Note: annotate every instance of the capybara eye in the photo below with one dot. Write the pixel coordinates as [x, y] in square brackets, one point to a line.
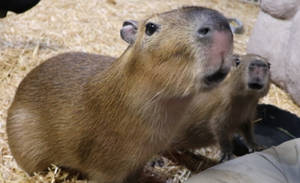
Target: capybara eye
[150, 28]
[203, 31]
[269, 65]
[237, 61]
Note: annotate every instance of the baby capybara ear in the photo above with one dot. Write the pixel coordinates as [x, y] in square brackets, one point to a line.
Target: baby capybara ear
[129, 30]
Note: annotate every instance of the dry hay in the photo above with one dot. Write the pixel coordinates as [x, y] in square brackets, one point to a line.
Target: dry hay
[56, 26]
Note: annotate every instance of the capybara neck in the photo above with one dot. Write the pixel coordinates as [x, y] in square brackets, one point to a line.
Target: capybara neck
[149, 104]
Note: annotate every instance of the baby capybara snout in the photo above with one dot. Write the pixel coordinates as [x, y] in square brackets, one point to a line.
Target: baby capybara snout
[258, 74]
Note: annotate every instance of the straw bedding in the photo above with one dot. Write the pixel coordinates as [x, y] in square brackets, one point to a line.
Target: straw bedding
[56, 26]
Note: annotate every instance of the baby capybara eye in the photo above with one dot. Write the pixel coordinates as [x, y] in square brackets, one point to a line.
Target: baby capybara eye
[237, 61]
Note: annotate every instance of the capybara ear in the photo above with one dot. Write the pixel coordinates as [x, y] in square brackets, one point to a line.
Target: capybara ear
[129, 30]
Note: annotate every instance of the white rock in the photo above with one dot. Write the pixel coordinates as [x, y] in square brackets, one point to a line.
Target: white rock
[279, 40]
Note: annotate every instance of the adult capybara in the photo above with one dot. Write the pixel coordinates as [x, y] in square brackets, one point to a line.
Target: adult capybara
[106, 117]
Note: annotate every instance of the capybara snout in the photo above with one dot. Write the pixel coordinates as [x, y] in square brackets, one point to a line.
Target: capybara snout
[258, 73]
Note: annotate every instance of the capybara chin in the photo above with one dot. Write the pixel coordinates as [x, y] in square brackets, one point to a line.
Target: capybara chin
[106, 117]
[230, 108]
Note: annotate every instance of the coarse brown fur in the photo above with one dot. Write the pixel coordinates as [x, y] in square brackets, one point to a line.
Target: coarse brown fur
[106, 117]
[230, 108]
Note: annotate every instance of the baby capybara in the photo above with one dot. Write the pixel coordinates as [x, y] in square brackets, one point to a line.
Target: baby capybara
[230, 108]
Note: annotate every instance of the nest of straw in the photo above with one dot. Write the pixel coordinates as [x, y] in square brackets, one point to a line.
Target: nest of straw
[56, 26]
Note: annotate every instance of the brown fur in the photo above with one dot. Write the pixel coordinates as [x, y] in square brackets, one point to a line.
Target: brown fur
[230, 108]
[106, 118]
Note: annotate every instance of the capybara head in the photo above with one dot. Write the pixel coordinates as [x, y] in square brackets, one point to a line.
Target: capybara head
[254, 72]
[188, 48]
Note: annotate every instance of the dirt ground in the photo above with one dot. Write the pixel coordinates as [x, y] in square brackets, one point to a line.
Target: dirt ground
[56, 26]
